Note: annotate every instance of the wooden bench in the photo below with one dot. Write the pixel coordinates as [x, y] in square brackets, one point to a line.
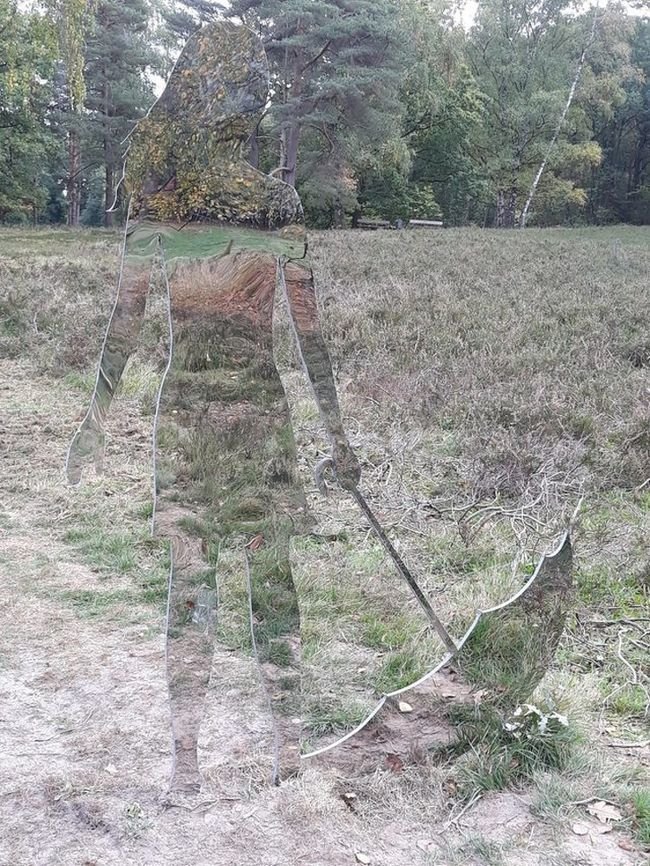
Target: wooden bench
[426, 224]
[372, 225]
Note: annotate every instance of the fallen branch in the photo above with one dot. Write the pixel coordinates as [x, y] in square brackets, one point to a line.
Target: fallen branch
[453, 821]
[590, 800]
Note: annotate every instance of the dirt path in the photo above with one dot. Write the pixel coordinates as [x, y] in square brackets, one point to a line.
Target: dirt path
[84, 751]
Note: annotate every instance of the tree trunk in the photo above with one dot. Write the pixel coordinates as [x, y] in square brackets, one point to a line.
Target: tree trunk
[638, 161]
[509, 218]
[72, 184]
[560, 123]
[290, 135]
[499, 220]
[109, 186]
[110, 195]
[339, 214]
[465, 217]
[289, 151]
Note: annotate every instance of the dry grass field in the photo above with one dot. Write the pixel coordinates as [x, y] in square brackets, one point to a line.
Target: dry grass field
[489, 381]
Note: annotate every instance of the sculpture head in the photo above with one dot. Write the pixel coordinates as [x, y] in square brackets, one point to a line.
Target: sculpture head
[219, 84]
[185, 159]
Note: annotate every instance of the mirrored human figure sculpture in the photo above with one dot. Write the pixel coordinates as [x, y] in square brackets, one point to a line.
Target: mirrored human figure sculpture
[226, 237]
[486, 677]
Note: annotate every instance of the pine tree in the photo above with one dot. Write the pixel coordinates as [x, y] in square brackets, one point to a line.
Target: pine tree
[335, 69]
[182, 17]
[118, 56]
[71, 19]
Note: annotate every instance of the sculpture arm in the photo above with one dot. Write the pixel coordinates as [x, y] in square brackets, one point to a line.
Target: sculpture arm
[119, 343]
[298, 283]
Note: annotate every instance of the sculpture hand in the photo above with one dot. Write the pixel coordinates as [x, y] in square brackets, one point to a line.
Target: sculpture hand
[87, 445]
[346, 465]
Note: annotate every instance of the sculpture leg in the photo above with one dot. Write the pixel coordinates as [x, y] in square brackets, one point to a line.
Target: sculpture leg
[275, 622]
[191, 620]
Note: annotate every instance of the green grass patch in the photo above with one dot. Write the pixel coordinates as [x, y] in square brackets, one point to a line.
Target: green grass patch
[278, 652]
[335, 720]
[489, 853]
[150, 589]
[552, 793]
[154, 585]
[498, 752]
[503, 657]
[450, 555]
[136, 555]
[332, 603]
[104, 551]
[90, 603]
[144, 511]
[84, 382]
[391, 633]
[400, 670]
[630, 702]
[602, 588]
[641, 817]
[364, 561]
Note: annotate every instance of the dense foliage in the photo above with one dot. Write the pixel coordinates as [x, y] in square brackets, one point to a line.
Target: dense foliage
[389, 109]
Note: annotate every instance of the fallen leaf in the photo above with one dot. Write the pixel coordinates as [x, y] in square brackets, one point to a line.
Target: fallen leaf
[112, 769]
[580, 829]
[404, 707]
[394, 763]
[604, 812]
[256, 543]
[625, 844]
[363, 858]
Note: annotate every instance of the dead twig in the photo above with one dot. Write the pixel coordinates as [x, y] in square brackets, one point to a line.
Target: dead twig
[454, 821]
[607, 623]
[619, 653]
[589, 800]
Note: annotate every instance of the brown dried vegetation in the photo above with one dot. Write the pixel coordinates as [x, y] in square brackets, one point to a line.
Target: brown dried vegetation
[488, 381]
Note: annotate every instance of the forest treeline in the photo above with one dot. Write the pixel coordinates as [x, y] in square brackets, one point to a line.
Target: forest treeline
[391, 109]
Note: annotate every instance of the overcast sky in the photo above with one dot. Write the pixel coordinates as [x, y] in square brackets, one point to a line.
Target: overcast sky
[469, 8]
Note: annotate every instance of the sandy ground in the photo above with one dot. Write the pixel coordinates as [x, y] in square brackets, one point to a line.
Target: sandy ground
[84, 740]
